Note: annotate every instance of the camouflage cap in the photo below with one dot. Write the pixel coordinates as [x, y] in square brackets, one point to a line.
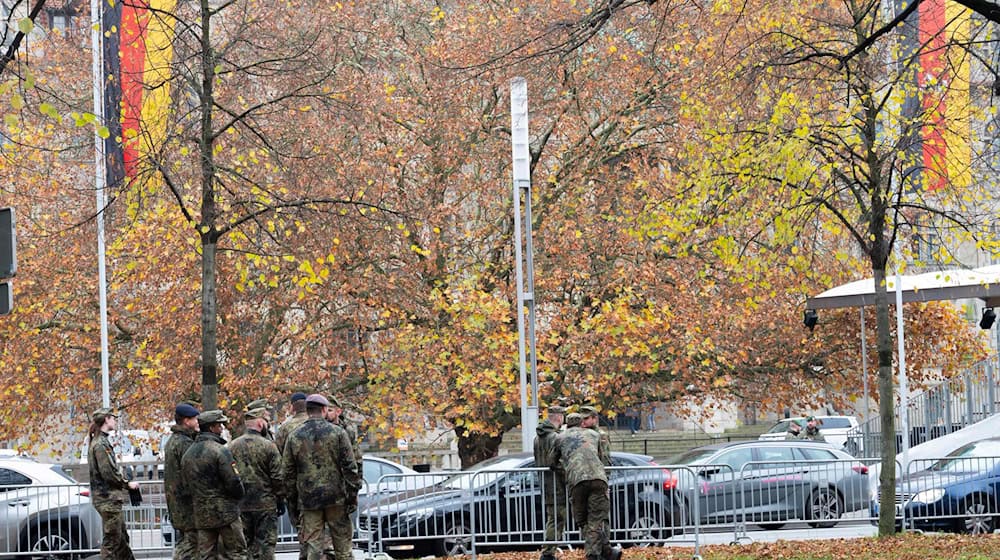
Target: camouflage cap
[259, 403]
[101, 413]
[334, 401]
[212, 417]
[573, 419]
[587, 410]
[256, 413]
[812, 418]
[556, 409]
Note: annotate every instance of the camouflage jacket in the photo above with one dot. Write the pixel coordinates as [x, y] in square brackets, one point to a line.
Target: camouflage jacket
[319, 469]
[260, 469]
[286, 428]
[179, 505]
[212, 480]
[813, 434]
[352, 433]
[106, 481]
[579, 452]
[545, 441]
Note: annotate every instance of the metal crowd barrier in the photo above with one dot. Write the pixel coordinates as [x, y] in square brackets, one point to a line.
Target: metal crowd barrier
[651, 505]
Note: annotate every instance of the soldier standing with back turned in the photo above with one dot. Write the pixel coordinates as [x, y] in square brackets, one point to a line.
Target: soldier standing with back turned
[553, 480]
[582, 455]
[259, 465]
[320, 475]
[180, 506]
[299, 416]
[213, 481]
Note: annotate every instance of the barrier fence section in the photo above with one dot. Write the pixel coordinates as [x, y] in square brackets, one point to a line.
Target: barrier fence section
[957, 493]
[820, 492]
[456, 513]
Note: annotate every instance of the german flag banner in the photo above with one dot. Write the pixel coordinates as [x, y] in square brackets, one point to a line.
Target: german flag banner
[941, 100]
[137, 39]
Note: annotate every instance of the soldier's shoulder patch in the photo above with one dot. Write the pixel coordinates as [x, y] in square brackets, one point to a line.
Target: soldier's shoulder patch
[235, 470]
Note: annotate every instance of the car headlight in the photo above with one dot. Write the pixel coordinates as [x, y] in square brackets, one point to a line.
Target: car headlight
[928, 496]
[418, 514]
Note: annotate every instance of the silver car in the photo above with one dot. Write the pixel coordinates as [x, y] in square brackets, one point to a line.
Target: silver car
[43, 510]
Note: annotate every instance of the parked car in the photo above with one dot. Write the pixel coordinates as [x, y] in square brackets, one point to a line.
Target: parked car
[769, 482]
[43, 510]
[382, 477]
[957, 493]
[137, 452]
[501, 498]
[833, 428]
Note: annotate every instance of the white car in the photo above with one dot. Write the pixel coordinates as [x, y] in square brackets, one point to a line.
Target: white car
[833, 428]
[43, 510]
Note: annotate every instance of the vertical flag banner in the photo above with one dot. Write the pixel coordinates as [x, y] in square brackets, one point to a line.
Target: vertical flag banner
[942, 102]
[137, 50]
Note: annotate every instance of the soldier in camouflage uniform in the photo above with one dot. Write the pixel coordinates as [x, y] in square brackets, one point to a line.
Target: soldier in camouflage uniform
[322, 477]
[553, 481]
[335, 414]
[213, 481]
[179, 505]
[812, 432]
[794, 430]
[108, 488]
[579, 451]
[262, 403]
[259, 465]
[299, 416]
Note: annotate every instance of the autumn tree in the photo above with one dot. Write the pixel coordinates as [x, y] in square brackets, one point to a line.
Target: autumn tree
[829, 143]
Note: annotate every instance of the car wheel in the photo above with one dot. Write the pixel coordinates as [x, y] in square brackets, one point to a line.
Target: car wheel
[824, 508]
[645, 528]
[49, 541]
[770, 526]
[456, 540]
[977, 519]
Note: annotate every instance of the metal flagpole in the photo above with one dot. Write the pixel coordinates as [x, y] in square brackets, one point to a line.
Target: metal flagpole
[525, 277]
[96, 44]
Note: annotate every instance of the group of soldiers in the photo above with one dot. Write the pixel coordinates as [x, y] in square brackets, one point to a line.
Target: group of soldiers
[577, 457]
[224, 499]
[811, 431]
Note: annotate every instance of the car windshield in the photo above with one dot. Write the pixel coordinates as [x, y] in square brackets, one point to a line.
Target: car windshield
[480, 474]
[834, 423]
[780, 427]
[977, 456]
[695, 456]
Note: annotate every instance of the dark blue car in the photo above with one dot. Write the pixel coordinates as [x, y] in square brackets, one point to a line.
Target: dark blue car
[958, 493]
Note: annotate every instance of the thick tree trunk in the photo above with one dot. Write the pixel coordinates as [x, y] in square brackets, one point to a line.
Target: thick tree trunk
[886, 408]
[474, 447]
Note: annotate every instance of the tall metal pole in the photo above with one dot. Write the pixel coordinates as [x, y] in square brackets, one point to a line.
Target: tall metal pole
[96, 45]
[525, 276]
[866, 426]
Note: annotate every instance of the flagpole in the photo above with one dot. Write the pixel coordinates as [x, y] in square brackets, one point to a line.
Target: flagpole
[97, 48]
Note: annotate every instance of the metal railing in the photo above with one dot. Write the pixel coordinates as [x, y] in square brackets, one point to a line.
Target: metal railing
[939, 410]
[650, 505]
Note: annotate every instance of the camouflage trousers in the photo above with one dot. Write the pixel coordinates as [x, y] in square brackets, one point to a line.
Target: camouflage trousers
[185, 544]
[115, 544]
[261, 531]
[314, 524]
[554, 488]
[222, 543]
[592, 514]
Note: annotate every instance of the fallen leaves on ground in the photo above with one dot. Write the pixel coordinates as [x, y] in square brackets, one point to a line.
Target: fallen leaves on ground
[904, 547]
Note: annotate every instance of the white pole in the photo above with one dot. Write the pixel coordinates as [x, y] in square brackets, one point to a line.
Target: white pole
[525, 300]
[96, 45]
[903, 389]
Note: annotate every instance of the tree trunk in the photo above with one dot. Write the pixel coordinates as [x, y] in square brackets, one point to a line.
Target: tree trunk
[209, 322]
[886, 407]
[474, 447]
